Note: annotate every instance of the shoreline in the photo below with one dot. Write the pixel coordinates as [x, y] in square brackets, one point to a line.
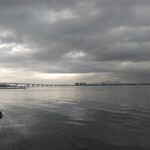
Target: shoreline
[12, 87]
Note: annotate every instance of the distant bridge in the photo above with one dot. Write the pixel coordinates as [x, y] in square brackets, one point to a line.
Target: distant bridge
[20, 85]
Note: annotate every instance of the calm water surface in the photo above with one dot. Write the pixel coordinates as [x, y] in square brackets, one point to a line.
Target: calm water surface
[76, 118]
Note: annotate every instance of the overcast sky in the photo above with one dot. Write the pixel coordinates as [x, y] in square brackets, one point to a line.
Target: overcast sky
[65, 41]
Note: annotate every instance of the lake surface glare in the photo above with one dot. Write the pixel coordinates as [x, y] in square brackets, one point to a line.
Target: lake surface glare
[76, 118]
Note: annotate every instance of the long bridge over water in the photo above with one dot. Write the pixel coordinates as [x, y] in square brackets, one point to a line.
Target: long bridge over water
[20, 85]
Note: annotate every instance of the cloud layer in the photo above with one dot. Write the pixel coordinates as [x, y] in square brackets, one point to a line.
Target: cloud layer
[89, 40]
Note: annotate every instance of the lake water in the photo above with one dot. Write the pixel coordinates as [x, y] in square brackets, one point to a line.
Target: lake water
[76, 118]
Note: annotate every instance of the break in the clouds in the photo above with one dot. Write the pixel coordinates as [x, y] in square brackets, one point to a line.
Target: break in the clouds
[74, 40]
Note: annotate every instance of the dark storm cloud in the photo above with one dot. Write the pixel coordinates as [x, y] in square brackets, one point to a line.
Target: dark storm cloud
[66, 36]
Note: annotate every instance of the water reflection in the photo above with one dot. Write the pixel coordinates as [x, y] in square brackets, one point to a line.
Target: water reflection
[75, 118]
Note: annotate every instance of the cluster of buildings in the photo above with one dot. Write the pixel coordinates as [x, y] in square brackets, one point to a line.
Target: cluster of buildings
[108, 83]
[80, 84]
[10, 86]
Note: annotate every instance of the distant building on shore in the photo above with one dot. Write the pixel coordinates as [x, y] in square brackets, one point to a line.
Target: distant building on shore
[3, 85]
[80, 84]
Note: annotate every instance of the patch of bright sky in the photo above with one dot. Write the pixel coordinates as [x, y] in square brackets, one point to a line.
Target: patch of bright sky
[53, 75]
[14, 47]
[6, 33]
[53, 16]
[7, 75]
[19, 48]
[75, 54]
